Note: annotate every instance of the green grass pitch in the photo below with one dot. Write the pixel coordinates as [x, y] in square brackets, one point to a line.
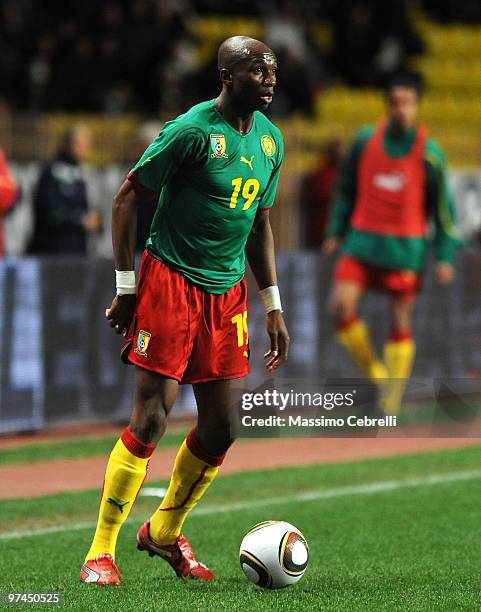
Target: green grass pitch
[385, 535]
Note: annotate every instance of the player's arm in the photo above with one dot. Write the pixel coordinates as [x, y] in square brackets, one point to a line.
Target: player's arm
[440, 202]
[340, 209]
[172, 148]
[124, 231]
[261, 258]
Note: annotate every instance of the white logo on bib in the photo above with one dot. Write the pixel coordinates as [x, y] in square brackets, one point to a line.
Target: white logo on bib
[390, 182]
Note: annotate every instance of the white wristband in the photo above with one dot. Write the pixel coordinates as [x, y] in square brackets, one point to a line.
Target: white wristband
[271, 298]
[125, 281]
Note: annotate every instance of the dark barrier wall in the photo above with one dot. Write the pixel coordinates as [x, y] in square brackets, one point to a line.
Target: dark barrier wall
[60, 359]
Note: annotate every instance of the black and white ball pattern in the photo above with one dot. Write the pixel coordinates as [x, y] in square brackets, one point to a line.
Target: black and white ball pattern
[274, 554]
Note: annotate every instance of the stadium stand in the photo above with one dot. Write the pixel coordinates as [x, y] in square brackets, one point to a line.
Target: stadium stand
[448, 66]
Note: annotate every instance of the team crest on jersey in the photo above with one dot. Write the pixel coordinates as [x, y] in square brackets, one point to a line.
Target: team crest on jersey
[268, 145]
[218, 146]
[143, 340]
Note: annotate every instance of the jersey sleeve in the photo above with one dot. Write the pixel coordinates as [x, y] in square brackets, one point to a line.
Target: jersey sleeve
[173, 148]
[269, 194]
[344, 195]
[440, 202]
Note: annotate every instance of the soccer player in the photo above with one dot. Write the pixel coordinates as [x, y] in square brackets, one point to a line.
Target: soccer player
[216, 168]
[391, 184]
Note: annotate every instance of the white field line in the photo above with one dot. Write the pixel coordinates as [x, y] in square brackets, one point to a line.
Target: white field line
[382, 486]
[152, 492]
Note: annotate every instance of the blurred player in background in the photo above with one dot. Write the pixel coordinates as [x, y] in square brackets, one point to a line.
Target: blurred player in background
[392, 182]
[216, 168]
[62, 219]
[8, 194]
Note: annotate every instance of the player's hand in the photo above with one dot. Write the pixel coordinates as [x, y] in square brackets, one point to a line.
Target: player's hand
[444, 273]
[121, 312]
[330, 246]
[279, 336]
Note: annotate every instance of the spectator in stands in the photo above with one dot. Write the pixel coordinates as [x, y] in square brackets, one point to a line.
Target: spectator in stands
[398, 40]
[355, 42]
[287, 30]
[372, 41]
[317, 192]
[62, 220]
[8, 194]
[295, 87]
[287, 27]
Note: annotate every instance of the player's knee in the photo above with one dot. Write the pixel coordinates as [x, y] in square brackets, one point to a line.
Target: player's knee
[343, 311]
[154, 422]
[148, 425]
[402, 317]
[149, 418]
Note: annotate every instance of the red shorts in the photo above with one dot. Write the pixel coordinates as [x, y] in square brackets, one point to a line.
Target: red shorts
[402, 283]
[185, 333]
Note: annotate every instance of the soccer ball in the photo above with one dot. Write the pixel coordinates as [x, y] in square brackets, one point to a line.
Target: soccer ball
[274, 554]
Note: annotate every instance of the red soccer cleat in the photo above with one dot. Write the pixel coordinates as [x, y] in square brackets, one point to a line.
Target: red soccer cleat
[178, 555]
[101, 570]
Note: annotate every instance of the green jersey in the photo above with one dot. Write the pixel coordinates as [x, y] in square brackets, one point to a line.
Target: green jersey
[211, 180]
[389, 251]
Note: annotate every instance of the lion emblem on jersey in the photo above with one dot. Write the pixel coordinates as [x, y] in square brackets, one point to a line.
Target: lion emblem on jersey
[143, 340]
[218, 146]
[268, 145]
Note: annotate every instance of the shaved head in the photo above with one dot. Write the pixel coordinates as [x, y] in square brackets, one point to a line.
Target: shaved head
[247, 69]
[241, 48]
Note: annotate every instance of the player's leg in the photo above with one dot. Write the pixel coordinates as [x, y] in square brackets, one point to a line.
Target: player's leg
[352, 332]
[219, 355]
[197, 461]
[154, 397]
[345, 301]
[215, 406]
[196, 465]
[399, 352]
[401, 313]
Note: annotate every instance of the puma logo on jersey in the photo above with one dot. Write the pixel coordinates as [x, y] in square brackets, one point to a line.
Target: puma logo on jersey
[390, 182]
[247, 161]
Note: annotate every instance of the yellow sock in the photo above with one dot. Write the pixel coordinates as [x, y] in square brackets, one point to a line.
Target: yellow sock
[399, 358]
[193, 472]
[355, 338]
[126, 471]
